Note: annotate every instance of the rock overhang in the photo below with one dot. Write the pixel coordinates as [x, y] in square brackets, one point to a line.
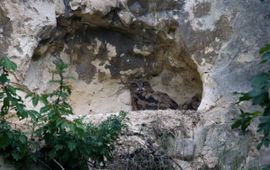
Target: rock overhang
[108, 47]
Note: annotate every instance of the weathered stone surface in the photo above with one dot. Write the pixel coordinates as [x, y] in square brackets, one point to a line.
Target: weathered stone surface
[187, 139]
[184, 47]
[107, 45]
[225, 45]
[170, 132]
[25, 24]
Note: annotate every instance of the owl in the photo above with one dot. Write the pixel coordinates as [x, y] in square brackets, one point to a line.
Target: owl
[143, 97]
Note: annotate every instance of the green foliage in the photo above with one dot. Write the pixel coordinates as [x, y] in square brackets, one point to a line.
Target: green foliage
[100, 138]
[8, 93]
[74, 147]
[7, 65]
[267, 167]
[245, 119]
[258, 95]
[14, 144]
[66, 143]
[72, 143]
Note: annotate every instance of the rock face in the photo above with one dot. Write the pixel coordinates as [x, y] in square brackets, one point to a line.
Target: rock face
[107, 45]
[183, 47]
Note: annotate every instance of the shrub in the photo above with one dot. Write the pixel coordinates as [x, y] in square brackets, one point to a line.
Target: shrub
[63, 143]
[14, 145]
[258, 95]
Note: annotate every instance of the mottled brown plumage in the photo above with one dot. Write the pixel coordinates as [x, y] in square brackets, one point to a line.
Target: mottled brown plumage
[143, 97]
[193, 103]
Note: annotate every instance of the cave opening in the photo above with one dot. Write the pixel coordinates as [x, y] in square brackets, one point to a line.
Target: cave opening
[103, 56]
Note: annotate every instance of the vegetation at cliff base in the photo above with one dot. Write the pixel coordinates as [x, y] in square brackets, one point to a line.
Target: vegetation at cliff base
[51, 138]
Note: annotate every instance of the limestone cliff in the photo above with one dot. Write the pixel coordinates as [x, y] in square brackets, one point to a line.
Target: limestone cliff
[183, 47]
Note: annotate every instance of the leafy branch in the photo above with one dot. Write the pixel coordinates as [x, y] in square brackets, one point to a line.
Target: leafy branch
[61, 143]
[67, 140]
[258, 95]
[14, 144]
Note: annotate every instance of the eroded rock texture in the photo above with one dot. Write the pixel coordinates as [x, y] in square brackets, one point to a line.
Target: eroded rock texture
[108, 45]
[184, 47]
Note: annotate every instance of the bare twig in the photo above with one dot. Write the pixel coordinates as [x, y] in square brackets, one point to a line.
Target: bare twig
[55, 161]
[43, 163]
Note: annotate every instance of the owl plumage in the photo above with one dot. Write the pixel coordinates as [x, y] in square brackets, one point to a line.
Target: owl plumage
[143, 97]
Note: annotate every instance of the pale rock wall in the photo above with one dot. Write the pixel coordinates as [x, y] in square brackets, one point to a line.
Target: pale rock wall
[225, 41]
[224, 38]
[25, 23]
[107, 45]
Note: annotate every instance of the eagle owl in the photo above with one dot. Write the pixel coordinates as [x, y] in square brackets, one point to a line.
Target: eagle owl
[143, 97]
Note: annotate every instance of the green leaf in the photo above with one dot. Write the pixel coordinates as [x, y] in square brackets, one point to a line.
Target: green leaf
[256, 114]
[3, 79]
[59, 146]
[72, 146]
[260, 81]
[265, 49]
[22, 139]
[265, 57]
[22, 115]
[44, 109]
[246, 123]
[29, 95]
[245, 119]
[264, 120]
[244, 97]
[60, 65]
[8, 64]
[12, 90]
[17, 156]
[20, 107]
[34, 115]
[266, 167]
[35, 100]
[266, 111]
[123, 114]
[4, 141]
[260, 98]
[5, 107]
[44, 99]
[236, 124]
[259, 146]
